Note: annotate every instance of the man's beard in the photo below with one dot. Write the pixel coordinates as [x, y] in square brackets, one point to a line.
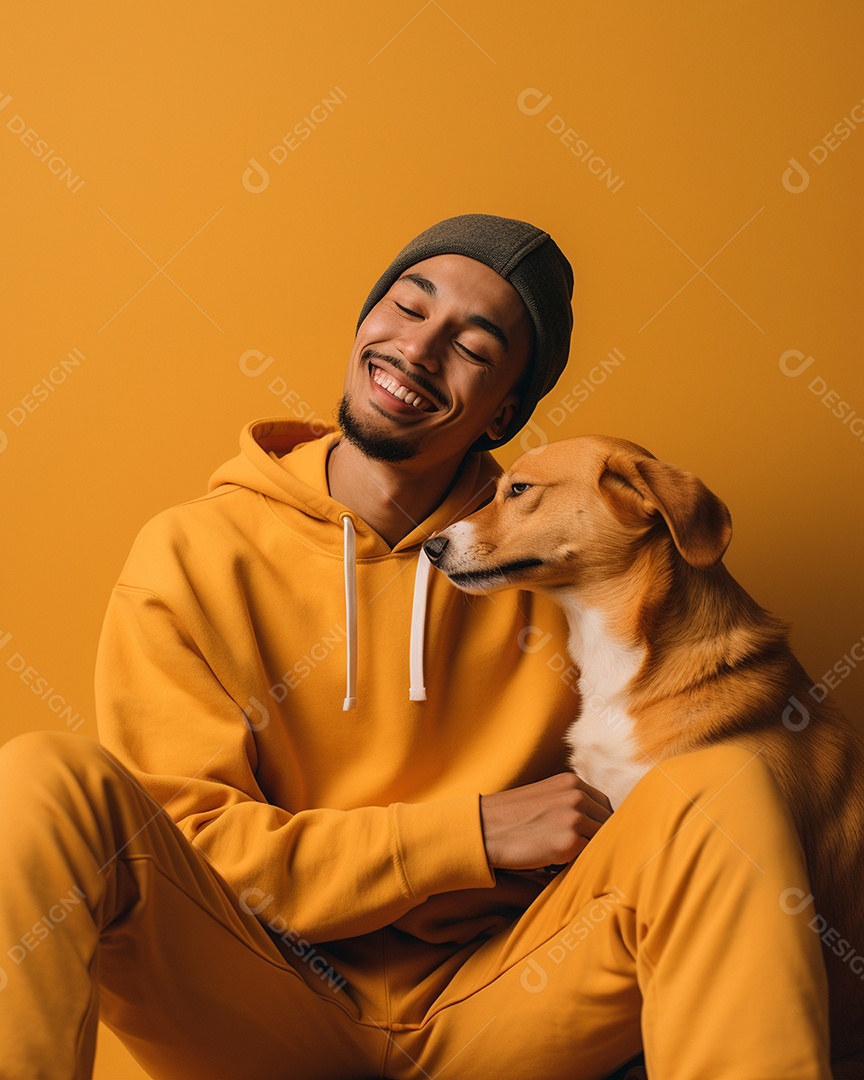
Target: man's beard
[373, 443]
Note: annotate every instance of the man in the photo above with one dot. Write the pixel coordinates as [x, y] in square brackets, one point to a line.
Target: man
[367, 770]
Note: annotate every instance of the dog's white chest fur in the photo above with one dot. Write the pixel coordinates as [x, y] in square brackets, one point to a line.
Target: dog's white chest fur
[601, 741]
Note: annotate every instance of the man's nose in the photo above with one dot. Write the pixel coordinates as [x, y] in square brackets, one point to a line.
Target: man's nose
[423, 346]
[434, 548]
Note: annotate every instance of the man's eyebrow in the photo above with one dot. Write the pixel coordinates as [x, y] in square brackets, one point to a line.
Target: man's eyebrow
[490, 327]
[424, 283]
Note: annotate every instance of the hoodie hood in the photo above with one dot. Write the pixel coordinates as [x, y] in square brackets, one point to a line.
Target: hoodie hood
[286, 462]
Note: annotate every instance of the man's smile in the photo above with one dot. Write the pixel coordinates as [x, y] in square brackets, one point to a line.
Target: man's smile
[400, 391]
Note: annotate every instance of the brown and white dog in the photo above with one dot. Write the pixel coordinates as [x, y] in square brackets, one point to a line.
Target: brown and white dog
[673, 655]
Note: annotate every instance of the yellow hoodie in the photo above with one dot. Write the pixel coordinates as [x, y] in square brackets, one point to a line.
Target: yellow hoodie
[221, 676]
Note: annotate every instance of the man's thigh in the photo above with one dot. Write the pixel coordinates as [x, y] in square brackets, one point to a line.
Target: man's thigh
[195, 993]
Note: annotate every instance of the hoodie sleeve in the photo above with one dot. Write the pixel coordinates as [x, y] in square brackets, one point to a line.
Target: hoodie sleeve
[163, 712]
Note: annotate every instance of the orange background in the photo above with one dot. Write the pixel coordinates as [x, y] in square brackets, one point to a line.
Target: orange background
[164, 256]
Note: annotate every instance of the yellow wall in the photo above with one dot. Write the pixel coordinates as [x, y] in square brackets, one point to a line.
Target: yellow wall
[164, 254]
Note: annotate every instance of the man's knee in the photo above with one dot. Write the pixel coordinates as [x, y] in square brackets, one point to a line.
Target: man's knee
[711, 769]
[55, 760]
[723, 771]
[32, 747]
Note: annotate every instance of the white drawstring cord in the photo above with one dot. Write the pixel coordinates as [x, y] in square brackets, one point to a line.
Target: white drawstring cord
[350, 566]
[417, 691]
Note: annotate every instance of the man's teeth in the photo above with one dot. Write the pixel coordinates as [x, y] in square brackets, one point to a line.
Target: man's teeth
[402, 392]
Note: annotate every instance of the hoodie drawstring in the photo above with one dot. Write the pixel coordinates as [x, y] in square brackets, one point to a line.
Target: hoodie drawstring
[417, 690]
[350, 565]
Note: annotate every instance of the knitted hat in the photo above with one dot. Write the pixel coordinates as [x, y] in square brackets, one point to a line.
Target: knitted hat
[534, 265]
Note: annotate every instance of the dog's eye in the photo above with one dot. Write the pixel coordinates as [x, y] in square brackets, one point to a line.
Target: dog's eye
[517, 489]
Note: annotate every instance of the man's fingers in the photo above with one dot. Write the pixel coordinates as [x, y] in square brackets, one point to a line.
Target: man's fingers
[548, 820]
[589, 826]
[593, 809]
[601, 801]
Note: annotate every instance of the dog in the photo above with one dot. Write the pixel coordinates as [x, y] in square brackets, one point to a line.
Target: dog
[673, 655]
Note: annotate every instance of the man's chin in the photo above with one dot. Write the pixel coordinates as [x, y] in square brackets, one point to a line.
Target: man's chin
[371, 441]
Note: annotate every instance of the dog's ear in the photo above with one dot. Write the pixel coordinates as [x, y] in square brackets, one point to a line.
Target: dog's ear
[639, 487]
[618, 484]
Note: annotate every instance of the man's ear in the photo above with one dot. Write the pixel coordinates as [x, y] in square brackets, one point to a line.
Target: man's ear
[503, 418]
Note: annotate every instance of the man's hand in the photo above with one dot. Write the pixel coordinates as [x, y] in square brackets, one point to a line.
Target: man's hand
[543, 823]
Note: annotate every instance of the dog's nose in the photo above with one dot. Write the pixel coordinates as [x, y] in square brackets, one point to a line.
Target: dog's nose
[434, 548]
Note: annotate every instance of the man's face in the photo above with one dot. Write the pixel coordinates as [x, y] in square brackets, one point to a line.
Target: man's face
[435, 362]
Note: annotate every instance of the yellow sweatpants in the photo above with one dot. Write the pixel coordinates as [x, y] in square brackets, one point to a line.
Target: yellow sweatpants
[675, 928]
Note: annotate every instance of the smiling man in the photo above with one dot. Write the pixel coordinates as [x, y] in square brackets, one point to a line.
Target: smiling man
[312, 841]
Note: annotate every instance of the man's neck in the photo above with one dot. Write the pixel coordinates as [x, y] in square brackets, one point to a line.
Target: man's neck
[392, 498]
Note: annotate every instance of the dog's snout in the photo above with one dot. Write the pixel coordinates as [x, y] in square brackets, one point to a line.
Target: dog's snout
[434, 548]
